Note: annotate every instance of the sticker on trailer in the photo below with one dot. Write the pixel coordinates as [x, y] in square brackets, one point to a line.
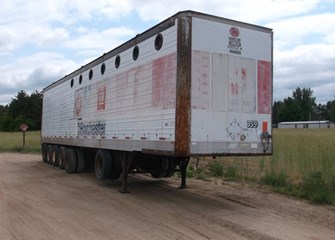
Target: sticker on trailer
[234, 45]
[101, 103]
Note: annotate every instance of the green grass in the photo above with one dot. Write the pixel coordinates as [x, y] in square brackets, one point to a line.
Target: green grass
[275, 179]
[216, 168]
[302, 165]
[13, 142]
[301, 152]
[306, 157]
[198, 173]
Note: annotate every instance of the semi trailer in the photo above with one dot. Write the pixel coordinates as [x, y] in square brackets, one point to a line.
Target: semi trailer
[193, 85]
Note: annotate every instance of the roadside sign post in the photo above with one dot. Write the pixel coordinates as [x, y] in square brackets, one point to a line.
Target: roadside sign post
[24, 128]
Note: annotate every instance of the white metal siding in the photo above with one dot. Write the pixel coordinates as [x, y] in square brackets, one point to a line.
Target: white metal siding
[139, 99]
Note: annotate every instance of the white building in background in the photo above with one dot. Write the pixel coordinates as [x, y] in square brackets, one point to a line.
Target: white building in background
[307, 124]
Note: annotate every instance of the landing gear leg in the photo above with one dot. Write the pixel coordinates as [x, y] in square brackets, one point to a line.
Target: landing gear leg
[183, 166]
[126, 162]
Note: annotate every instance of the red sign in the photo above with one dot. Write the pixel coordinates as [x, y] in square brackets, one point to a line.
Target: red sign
[234, 32]
[23, 127]
[78, 105]
[264, 87]
[101, 104]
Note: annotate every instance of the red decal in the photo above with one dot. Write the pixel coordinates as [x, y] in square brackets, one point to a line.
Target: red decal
[234, 88]
[264, 87]
[244, 73]
[265, 127]
[164, 82]
[101, 104]
[234, 32]
[77, 104]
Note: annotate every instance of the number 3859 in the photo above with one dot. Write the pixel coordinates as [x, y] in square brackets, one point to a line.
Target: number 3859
[252, 124]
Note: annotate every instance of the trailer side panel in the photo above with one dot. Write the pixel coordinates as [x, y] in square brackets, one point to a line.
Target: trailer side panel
[130, 108]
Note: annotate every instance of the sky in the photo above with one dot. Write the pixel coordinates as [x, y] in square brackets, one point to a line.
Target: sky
[43, 40]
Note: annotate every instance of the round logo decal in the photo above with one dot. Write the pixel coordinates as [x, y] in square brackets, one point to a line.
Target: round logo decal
[234, 32]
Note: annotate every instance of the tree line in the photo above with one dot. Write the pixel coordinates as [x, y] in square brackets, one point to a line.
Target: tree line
[301, 106]
[23, 108]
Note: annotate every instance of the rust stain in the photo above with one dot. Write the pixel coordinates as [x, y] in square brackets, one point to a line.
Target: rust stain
[183, 99]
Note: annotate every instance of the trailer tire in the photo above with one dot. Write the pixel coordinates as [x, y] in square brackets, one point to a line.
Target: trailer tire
[163, 170]
[61, 157]
[44, 152]
[70, 163]
[102, 164]
[158, 174]
[80, 160]
[116, 166]
[172, 168]
[50, 154]
[56, 156]
[169, 174]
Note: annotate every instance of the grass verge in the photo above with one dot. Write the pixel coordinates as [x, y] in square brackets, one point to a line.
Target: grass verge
[13, 142]
[302, 165]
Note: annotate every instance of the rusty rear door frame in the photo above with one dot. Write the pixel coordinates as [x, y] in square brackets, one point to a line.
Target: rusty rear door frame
[183, 86]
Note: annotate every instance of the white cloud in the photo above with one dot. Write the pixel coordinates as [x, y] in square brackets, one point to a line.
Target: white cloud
[81, 30]
[34, 72]
[62, 11]
[324, 93]
[7, 40]
[299, 30]
[33, 21]
[250, 11]
[5, 97]
[98, 42]
[65, 11]
[309, 66]
[18, 34]
[47, 37]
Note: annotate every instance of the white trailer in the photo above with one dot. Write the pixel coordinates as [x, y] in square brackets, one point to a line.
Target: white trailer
[192, 85]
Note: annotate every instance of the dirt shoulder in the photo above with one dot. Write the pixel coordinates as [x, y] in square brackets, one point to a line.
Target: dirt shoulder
[39, 201]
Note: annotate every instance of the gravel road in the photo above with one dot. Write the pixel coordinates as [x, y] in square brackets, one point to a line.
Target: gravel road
[39, 201]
